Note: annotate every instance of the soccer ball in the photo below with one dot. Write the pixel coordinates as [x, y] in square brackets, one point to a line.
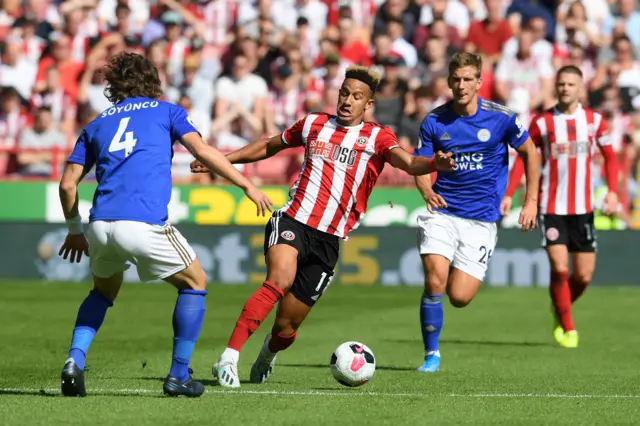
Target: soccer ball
[352, 364]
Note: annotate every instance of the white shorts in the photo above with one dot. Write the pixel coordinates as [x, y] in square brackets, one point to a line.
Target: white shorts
[157, 251]
[468, 244]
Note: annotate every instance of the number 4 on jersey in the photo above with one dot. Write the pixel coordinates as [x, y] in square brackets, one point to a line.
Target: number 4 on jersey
[117, 144]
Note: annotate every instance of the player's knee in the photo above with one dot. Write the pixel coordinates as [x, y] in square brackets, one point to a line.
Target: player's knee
[285, 326]
[434, 285]
[459, 301]
[196, 280]
[582, 278]
[108, 293]
[281, 278]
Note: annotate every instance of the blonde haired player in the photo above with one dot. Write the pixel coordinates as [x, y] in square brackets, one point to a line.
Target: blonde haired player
[458, 232]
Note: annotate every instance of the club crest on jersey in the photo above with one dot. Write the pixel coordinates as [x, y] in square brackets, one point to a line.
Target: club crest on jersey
[361, 142]
[552, 234]
[288, 235]
[484, 135]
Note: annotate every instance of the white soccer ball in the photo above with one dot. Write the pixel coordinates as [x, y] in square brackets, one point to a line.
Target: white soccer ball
[352, 364]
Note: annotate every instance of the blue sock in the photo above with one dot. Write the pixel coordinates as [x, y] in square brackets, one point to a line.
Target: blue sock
[90, 317]
[431, 319]
[187, 322]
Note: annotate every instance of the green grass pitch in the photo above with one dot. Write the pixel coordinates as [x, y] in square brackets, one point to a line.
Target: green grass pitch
[499, 363]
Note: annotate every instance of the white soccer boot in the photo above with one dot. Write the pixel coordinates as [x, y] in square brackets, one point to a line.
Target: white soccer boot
[227, 374]
[263, 367]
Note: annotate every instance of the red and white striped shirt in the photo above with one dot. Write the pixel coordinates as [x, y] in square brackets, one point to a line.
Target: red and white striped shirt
[567, 143]
[219, 17]
[340, 169]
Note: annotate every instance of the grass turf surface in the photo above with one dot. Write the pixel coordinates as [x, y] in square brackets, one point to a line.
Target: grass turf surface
[499, 363]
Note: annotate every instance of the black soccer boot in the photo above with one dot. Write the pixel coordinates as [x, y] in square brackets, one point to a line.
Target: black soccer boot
[72, 380]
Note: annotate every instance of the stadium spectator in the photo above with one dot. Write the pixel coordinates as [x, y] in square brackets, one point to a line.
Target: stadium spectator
[524, 82]
[488, 36]
[226, 56]
[37, 157]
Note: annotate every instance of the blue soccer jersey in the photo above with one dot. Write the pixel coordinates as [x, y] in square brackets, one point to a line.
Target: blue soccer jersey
[131, 145]
[474, 189]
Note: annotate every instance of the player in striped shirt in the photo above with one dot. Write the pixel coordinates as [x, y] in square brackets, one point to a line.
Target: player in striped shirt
[566, 135]
[344, 156]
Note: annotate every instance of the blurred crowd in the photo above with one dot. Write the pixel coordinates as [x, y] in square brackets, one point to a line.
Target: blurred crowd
[248, 68]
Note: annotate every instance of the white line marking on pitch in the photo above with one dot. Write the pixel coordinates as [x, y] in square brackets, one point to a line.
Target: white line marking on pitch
[345, 393]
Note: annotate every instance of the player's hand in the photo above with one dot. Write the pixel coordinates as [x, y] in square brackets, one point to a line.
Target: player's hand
[444, 162]
[198, 167]
[610, 205]
[76, 245]
[505, 205]
[528, 216]
[435, 202]
[263, 202]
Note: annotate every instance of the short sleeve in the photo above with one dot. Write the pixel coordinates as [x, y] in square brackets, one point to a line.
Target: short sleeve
[516, 134]
[82, 153]
[293, 135]
[535, 133]
[425, 139]
[602, 133]
[225, 89]
[385, 142]
[181, 124]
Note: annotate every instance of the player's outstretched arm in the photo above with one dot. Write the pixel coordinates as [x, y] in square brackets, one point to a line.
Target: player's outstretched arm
[255, 151]
[532, 174]
[215, 161]
[416, 165]
[75, 244]
[258, 150]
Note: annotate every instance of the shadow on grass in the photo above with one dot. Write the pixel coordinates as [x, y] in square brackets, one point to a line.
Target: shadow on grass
[206, 382]
[475, 342]
[102, 392]
[378, 367]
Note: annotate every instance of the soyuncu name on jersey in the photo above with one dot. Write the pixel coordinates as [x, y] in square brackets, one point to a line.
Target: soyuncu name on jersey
[130, 107]
[468, 161]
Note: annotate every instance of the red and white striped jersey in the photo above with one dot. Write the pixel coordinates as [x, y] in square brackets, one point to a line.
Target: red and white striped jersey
[219, 17]
[567, 143]
[340, 168]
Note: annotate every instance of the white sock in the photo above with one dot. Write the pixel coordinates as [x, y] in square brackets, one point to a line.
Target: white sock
[265, 351]
[230, 355]
[436, 353]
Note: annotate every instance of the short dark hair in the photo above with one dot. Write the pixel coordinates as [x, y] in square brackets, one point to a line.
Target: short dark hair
[569, 69]
[130, 75]
[364, 74]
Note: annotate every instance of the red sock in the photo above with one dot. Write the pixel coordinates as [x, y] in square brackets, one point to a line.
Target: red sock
[253, 313]
[577, 288]
[561, 298]
[280, 343]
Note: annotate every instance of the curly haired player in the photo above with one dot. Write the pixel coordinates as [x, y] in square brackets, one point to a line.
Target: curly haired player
[130, 145]
[344, 155]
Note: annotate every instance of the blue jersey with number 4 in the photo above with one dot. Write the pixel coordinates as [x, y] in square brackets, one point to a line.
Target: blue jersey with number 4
[479, 144]
[131, 145]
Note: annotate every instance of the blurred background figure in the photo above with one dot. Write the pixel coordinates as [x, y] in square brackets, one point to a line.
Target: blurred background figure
[248, 69]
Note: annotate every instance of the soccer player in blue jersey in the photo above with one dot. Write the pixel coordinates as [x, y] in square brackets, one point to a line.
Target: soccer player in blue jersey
[130, 145]
[458, 232]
